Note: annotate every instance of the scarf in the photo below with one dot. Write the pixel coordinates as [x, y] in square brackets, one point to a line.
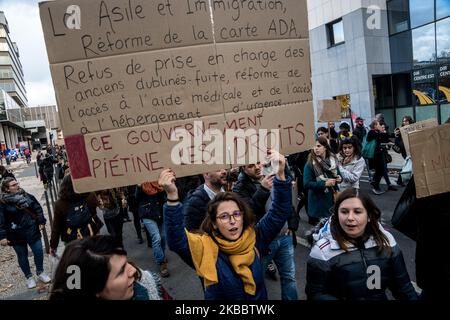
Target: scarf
[151, 188]
[241, 253]
[18, 199]
[325, 169]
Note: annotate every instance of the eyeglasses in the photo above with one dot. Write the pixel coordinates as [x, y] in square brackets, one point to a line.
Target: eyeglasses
[226, 217]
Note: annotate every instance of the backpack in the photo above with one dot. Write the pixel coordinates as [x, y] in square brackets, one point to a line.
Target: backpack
[80, 223]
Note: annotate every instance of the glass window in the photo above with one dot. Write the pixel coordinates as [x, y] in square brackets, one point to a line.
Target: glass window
[442, 9]
[402, 89]
[401, 52]
[424, 87]
[444, 83]
[445, 112]
[383, 92]
[443, 39]
[336, 32]
[398, 16]
[424, 45]
[421, 12]
[425, 113]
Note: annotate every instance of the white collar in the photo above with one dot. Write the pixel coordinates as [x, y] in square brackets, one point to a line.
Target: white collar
[211, 194]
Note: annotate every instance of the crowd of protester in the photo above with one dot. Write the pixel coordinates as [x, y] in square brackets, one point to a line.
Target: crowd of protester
[233, 227]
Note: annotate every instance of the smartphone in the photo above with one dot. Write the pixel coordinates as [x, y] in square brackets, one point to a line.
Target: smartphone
[267, 169]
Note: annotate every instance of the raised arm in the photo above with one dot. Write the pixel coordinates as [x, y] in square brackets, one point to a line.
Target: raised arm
[173, 218]
[280, 209]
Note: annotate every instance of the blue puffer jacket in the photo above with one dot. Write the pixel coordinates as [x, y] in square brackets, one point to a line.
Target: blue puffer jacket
[18, 225]
[230, 285]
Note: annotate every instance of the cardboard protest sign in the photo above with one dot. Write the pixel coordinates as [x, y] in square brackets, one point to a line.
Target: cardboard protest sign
[420, 125]
[133, 155]
[329, 110]
[139, 89]
[151, 66]
[430, 154]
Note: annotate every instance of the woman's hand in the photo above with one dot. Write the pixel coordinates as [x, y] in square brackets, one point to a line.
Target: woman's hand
[330, 183]
[167, 181]
[278, 162]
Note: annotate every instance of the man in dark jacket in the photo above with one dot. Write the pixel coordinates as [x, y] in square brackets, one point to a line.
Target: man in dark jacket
[196, 203]
[251, 190]
[21, 220]
[46, 168]
[360, 130]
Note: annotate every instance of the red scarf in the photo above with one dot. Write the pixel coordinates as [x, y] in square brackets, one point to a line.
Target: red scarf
[151, 188]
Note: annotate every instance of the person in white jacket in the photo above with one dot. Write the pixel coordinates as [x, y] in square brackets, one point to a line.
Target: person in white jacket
[351, 163]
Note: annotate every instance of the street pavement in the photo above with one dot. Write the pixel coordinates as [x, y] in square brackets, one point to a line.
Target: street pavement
[183, 284]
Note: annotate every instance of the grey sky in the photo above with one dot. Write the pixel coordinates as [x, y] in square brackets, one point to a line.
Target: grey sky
[25, 29]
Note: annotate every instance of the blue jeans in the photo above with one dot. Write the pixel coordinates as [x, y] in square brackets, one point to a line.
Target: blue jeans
[282, 253]
[158, 239]
[22, 257]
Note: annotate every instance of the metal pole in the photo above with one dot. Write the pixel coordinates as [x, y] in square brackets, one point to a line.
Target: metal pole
[36, 170]
[51, 194]
[49, 209]
[55, 195]
[46, 242]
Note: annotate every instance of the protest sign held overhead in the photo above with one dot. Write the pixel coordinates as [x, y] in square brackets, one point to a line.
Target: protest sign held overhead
[430, 153]
[420, 125]
[150, 66]
[329, 110]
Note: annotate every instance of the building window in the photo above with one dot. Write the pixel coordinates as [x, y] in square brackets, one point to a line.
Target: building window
[442, 9]
[421, 12]
[424, 44]
[443, 40]
[335, 33]
[444, 83]
[424, 87]
[383, 92]
[398, 16]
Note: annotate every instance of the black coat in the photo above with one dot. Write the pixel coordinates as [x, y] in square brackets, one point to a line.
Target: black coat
[253, 193]
[150, 206]
[195, 208]
[335, 274]
[20, 226]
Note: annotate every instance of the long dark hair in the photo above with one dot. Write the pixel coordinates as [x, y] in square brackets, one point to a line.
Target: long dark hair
[91, 256]
[66, 191]
[207, 225]
[328, 153]
[372, 228]
[356, 146]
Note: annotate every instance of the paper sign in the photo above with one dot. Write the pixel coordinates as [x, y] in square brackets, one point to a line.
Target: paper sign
[420, 125]
[430, 154]
[329, 110]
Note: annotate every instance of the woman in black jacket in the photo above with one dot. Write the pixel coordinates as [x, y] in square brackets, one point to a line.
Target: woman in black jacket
[21, 219]
[354, 257]
[379, 161]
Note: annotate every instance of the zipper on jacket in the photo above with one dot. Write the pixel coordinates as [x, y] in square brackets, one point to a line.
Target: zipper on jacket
[363, 258]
